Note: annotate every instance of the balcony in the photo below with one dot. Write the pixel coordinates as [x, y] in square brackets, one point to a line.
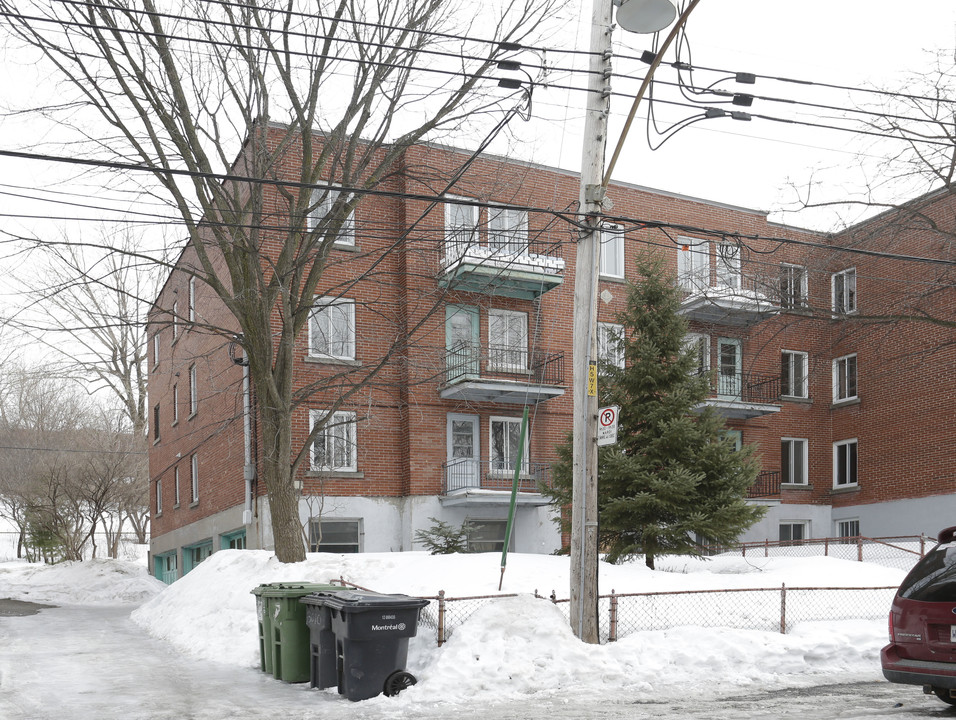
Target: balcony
[741, 397]
[497, 374]
[478, 482]
[728, 306]
[767, 485]
[476, 268]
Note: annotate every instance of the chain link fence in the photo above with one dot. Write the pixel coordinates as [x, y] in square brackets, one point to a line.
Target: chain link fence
[773, 609]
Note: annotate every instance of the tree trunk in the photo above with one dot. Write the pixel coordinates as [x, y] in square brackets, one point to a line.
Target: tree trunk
[277, 476]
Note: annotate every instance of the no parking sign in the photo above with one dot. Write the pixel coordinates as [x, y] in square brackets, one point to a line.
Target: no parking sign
[607, 425]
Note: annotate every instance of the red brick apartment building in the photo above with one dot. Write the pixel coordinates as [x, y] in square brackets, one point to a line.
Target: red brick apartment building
[816, 362]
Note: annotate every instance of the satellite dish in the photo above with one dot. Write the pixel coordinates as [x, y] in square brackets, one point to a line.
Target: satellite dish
[645, 16]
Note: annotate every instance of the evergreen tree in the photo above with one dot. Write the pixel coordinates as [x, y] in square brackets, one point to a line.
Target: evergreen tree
[674, 472]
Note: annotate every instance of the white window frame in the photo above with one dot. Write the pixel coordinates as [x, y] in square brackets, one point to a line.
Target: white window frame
[612, 252]
[192, 299]
[842, 376]
[805, 530]
[844, 531]
[693, 264]
[505, 465]
[795, 373]
[193, 391]
[700, 345]
[507, 340]
[461, 230]
[175, 322]
[507, 231]
[355, 523]
[475, 526]
[794, 444]
[850, 464]
[175, 404]
[341, 429]
[336, 318]
[346, 234]
[193, 479]
[159, 496]
[728, 264]
[793, 277]
[156, 341]
[176, 486]
[610, 343]
[156, 433]
[844, 299]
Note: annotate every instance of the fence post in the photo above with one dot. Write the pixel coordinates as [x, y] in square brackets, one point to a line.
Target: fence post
[859, 548]
[612, 624]
[441, 618]
[766, 547]
[826, 547]
[783, 609]
[922, 545]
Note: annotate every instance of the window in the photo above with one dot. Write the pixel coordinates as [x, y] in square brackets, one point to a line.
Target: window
[334, 536]
[693, 264]
[193, 391]
[844, 378]
[321, 216]
[332, 329]
[699, 346]
[175, 403]
[159, 496]
[612, 252]
[461, 229]
[793, 461]
[610, 342]
[728, 265]
[486, 535]
[334, 445]
[165, 568]
[845, 463]
[848, 528]
[844, 291]
[793, 374]
[192, 299]
[176, 486]
[175, 321]
[793, 532]
[194, 479]
[234, 540]
[156, 423]
[505, 441]
[195, 554]
[793, 286]
[507, 340]
[155, 350]
[507, 231]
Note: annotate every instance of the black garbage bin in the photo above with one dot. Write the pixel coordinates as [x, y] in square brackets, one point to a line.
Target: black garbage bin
[318, 618]
[371, 632]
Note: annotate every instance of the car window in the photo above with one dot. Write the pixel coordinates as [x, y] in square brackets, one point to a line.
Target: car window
[934, 577]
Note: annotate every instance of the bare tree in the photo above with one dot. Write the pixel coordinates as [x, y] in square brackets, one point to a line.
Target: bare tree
[353, 85]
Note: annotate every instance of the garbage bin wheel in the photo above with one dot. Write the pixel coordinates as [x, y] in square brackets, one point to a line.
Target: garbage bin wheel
[398, 681]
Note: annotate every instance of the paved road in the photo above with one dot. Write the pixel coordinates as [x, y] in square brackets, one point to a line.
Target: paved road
[94, 663]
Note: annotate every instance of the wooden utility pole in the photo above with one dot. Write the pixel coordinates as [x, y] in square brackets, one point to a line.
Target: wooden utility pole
[584, 525]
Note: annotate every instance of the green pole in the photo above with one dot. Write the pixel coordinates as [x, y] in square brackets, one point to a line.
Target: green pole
[514, 496]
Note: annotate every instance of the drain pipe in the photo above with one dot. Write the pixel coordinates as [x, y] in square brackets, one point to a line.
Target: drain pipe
[248, 470]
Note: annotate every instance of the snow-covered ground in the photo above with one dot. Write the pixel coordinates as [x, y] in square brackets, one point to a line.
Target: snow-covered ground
[510, 649]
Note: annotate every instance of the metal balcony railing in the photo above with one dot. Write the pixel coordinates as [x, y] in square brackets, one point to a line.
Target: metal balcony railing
[767, 484]
[471, 360]
[748, 388]
[484, 475]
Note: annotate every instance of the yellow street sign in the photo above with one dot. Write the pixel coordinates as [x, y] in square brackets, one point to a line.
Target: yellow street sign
[592, 380]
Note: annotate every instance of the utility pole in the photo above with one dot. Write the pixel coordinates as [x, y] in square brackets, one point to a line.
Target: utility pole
[584, 516]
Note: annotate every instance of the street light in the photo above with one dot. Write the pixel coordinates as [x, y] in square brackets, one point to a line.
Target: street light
[644, 16]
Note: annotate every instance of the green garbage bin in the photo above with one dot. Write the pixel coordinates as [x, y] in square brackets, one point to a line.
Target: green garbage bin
[283, 634]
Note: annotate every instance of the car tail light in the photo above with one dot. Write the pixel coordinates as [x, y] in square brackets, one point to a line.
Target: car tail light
[890, 623]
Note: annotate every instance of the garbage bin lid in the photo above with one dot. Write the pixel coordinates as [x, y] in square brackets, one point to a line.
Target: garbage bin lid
[293, 589]
[346, 600]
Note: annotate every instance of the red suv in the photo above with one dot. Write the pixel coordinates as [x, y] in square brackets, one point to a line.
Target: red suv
[922, 649]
